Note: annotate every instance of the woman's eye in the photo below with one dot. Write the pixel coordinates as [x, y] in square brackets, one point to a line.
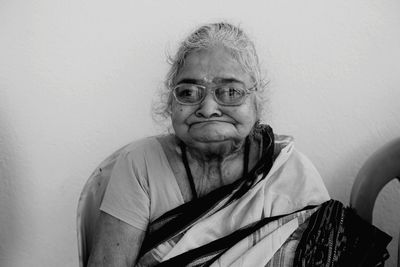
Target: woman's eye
[188, 94]
[230, 92]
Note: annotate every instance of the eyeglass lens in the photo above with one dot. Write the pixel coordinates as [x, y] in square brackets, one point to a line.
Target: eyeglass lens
[226, 95]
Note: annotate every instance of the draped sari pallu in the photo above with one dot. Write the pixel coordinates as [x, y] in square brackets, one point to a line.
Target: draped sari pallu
[228, 227]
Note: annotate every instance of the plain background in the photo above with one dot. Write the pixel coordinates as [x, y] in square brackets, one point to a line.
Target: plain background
[77, 79]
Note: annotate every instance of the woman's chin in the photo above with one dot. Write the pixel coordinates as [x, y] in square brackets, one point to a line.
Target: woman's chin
[211, 135]
[214, 145]
[213, 149]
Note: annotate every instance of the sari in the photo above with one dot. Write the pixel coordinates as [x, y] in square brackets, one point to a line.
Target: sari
[228, 227]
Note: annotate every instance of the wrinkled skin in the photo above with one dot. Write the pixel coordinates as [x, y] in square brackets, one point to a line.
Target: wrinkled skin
[209, 128]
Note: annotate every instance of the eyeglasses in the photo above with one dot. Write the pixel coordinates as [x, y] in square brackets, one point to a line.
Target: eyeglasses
[225, 95]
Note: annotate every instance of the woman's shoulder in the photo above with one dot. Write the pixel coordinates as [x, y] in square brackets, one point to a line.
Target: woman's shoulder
[282, 142]
[140, 151]
[145, 145]
[143, 157]
[295, 169]
[284, 147]
[286, 154]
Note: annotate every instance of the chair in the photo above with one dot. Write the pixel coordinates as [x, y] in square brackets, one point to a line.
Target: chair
[380, 168]
[89, 204]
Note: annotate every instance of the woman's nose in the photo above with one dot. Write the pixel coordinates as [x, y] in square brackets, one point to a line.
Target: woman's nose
[208, 108]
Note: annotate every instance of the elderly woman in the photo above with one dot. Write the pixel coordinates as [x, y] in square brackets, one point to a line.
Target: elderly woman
[223, 189]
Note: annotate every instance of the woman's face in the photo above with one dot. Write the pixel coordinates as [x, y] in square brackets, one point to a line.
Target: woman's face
[208, 126]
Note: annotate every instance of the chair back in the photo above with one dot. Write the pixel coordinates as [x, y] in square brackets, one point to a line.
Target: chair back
[380, 168]
[89, 204]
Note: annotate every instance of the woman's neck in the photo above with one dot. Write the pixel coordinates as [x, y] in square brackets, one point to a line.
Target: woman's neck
[211, 171]
[220, 153]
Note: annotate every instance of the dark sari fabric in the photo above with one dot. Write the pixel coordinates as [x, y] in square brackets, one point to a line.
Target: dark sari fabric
[337, 236]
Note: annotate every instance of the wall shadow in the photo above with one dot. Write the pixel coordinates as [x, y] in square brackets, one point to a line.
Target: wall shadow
[8, 193]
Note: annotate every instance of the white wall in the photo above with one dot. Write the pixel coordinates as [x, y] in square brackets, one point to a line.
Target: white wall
[77, 79]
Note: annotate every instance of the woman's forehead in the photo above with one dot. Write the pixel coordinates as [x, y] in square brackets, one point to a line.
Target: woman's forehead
[206, 80]
[212, 65]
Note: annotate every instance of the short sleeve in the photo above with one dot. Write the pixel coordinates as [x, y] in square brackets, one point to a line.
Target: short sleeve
[127, 194]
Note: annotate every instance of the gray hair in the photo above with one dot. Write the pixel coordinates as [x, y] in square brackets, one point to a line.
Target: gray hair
[207, 36]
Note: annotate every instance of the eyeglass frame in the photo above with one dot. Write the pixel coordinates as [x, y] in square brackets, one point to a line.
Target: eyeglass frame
[247, 91]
